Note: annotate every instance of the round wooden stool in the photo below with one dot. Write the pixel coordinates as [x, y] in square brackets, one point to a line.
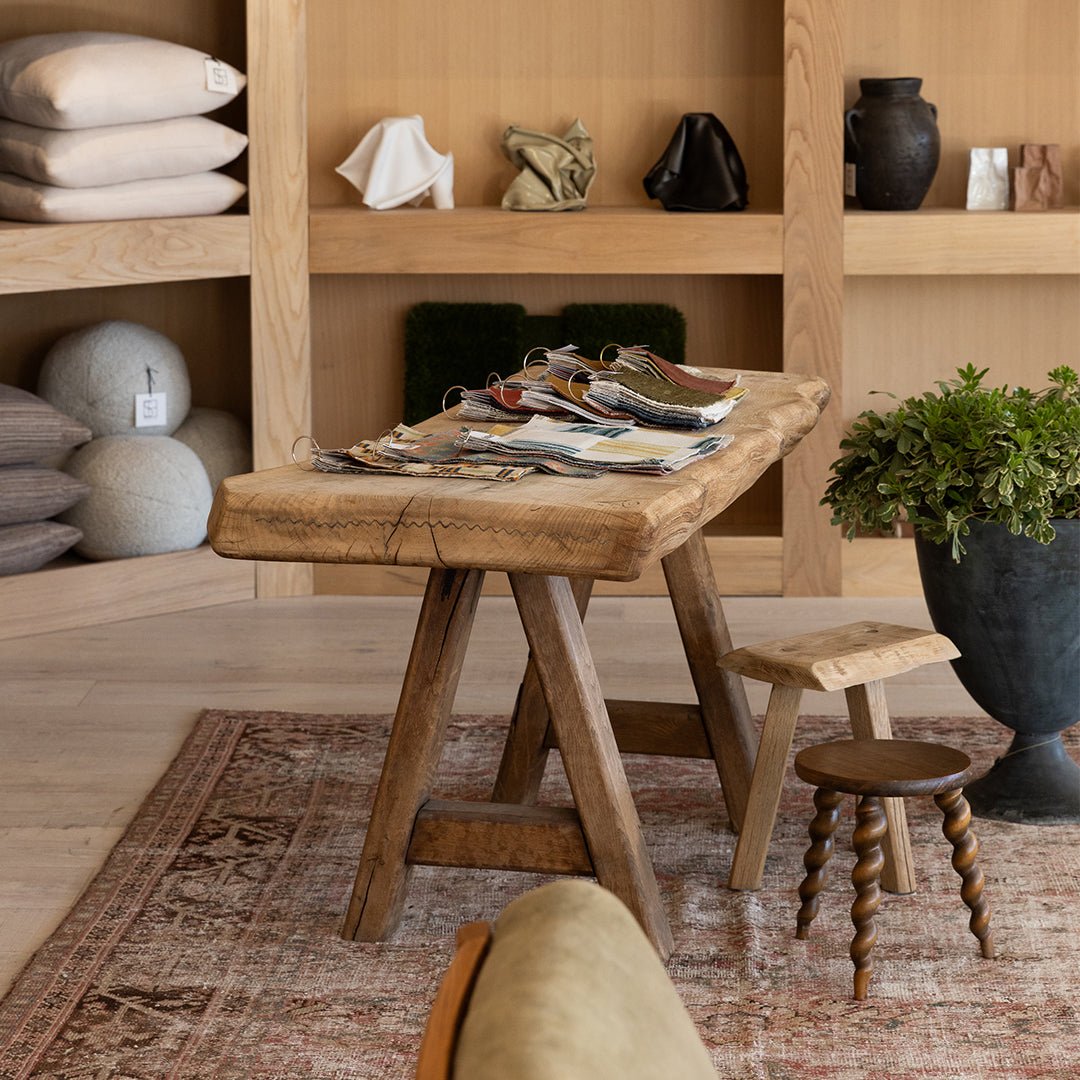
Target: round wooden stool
[874, 769]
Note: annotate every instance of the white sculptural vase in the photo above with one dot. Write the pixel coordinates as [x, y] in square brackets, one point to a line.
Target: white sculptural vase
[394, 164]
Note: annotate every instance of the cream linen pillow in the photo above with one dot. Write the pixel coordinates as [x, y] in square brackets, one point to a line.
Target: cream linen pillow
[90, 79]
[171, 196]
[118, 153]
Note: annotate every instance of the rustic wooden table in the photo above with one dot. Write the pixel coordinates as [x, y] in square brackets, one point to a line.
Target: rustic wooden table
[553, 536]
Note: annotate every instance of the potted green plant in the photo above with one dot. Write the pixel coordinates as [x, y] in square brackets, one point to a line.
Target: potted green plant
[990, 479]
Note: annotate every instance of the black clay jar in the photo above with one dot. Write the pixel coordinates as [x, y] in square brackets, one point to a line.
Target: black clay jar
[891, 137]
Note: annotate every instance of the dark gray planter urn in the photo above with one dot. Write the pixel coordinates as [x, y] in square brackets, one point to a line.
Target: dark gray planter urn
[1012, 608]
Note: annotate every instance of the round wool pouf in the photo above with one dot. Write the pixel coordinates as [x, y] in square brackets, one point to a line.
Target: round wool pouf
[222, 442]
[148, 495]
[94, 374]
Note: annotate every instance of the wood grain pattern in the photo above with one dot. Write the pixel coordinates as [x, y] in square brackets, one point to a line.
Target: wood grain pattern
[870, 827]
[725, 712]
[869, 714]
[841, 656]
[878, 767]
[813, 276]
[816, 860]
[902, 334]
[525, 752]
[40, 258]
[957, 830]
[742, 566]
[120, 589]
[590, 756]
[412, 754]
[494, 836]
[280, 304]
[950, 241]
[658, 727]
[766, 783]
[488, 240]
[611, 527]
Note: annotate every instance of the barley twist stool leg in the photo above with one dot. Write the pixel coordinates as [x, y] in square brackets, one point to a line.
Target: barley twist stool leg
[870, 826]
[817, 856]
[965, 848]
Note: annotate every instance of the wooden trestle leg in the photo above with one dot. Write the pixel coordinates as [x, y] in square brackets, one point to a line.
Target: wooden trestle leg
[590, 755]
[526, 750]
[705, 636]
[412, 754]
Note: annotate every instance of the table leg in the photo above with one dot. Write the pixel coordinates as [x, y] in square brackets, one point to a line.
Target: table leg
[590, 755]
[412, 755]
[705, 636]
[524, 755]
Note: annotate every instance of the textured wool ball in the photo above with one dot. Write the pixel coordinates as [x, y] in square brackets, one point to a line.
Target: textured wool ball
[94, 374]
[222, 442]
[148, 494]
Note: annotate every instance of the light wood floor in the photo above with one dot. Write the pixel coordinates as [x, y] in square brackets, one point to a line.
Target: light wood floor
[89, 719]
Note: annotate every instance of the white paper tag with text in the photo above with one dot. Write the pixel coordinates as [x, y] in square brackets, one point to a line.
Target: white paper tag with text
[219, 77]
[849, 178]
[150, 410]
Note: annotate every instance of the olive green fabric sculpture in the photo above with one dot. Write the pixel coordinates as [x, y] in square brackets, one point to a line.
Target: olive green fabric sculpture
[556, 174]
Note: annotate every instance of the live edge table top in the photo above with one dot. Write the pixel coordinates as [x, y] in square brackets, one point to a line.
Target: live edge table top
[611, 527]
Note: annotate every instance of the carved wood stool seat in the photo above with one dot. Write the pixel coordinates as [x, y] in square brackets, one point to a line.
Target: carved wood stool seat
[874, 769]
[855, 658]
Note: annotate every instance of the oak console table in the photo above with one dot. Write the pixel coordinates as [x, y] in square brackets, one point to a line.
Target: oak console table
[553, 536]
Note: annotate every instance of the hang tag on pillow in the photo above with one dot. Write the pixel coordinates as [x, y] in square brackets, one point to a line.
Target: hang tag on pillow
[219, 77]
[150, 410]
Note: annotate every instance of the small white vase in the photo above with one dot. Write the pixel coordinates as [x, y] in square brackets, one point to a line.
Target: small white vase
[988, 178]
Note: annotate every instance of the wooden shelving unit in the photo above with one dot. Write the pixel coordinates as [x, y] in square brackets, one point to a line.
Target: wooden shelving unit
[177, 274]
[868, 301]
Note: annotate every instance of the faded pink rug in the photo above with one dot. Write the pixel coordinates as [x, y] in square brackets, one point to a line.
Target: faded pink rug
[208, 946]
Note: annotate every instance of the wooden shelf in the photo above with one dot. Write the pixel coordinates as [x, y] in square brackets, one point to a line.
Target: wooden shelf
[84, 593]
[41, 258]
[940, 241]
[489, 240]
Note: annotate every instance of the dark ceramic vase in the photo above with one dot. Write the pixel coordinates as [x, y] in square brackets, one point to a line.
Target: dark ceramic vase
[891, 136]
[1012, 608]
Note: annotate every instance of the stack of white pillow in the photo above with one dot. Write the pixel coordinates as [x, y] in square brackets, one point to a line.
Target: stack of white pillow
[101, 126]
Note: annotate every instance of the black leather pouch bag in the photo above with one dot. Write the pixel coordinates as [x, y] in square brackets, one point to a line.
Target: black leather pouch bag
[701, 168]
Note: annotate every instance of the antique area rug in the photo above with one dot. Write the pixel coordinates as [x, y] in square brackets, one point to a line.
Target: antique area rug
[209, 947]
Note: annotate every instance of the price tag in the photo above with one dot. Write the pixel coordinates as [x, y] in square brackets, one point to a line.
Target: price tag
[849, 178]
[150, 410]
[219, 77]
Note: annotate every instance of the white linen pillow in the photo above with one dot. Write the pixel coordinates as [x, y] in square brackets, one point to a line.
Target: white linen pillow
[170, 196]
[119, 153]
[91, 79]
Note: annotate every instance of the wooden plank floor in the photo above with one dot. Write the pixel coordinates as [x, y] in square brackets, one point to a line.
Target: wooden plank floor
[89, 719]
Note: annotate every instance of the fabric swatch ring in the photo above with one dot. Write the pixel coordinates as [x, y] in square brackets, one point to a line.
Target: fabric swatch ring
[449, 391]
[313, 448]
[525, 363]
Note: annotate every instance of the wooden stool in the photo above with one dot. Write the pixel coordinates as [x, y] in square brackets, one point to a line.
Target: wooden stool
[871, 769]
[853, 658]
